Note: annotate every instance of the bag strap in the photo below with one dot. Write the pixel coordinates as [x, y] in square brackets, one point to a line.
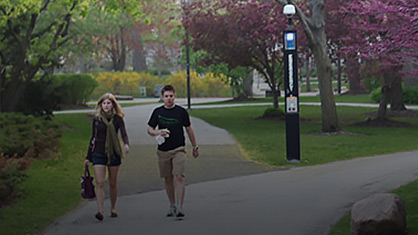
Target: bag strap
[86, 171]
[95, 135]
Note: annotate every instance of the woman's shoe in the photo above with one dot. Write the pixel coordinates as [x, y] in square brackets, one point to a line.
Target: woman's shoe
[99, 216]
[113, 214]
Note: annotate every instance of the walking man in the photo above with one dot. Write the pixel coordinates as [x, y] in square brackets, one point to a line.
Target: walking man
[170, 120]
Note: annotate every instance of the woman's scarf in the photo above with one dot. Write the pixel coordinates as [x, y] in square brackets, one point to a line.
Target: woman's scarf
[112, 146]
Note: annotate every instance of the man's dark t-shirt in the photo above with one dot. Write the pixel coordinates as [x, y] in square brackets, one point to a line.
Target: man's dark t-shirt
[173, 119]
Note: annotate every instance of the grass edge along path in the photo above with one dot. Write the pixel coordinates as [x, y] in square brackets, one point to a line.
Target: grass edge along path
[52, 186]
[408, 193]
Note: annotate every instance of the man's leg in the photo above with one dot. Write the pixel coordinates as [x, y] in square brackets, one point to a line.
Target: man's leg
[179, 179]
[180, 187]
[169, 189]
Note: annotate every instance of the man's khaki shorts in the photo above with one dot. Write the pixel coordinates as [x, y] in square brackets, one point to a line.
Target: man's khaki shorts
[172, 162]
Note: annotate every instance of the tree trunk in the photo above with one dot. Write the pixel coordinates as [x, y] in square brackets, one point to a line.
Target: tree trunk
[323, 66]
[248, 85]
[12, 94]
[395, 93]
[339, 74]
[276, 99]
[384, 98]
[138, 60]
[329, 109]
[354, 79]
[118, 51]
[314, 28]
[308, 74]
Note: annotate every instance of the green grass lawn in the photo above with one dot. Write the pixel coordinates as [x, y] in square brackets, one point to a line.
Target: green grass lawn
[265, 141]
[364, 98]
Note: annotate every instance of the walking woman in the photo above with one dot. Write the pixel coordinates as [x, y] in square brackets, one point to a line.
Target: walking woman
[105, 149]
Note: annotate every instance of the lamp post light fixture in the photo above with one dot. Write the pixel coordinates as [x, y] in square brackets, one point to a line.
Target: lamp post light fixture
[291, 88]
[185, 6]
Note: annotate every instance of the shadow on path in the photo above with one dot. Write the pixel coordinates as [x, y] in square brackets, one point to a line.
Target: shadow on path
[139, 171]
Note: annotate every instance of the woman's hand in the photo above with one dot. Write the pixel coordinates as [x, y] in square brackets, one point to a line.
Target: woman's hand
[86, 162]
[126, 148]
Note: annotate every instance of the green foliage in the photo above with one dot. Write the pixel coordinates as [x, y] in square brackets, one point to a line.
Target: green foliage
[50, 179]
[272, 112]
[27, 136]
[36, 35]
[376, 94]
[372, 82]
[410, 95]
[23, 138]
[47, 93]
[163, 72]
[75, 89]
[10, 175]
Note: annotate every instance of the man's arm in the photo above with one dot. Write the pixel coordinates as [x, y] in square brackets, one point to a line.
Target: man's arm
[192, 138]
[153, 132]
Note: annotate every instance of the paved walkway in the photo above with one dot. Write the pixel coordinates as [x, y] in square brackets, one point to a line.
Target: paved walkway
[226, 194]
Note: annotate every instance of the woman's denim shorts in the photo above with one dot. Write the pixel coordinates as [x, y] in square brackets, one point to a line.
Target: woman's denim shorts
[101, 159]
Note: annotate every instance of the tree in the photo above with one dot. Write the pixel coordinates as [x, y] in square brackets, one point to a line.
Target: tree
[314, 28]
[109, 32]
[241, 33]
[391, 42]
[33, 36]
[337, 29]
[162, 34]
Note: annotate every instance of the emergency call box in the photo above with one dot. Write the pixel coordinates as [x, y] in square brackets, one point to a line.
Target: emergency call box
[290, 40]
[292, 104]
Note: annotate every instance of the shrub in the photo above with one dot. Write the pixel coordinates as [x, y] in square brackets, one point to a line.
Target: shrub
[11, 174]
[28, 137]
[273, 112]
[125, 83]
[163, 72]
[48, 92]
[74, 89]
[200, 86]
[410, 95]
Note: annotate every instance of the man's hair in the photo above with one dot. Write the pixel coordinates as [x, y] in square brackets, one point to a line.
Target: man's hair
[167, 88]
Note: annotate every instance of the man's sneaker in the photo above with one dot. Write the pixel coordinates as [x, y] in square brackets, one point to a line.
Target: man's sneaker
[180, 213]
[171, 211]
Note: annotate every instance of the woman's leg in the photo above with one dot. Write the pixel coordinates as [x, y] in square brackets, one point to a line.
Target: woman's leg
[100, 175]
[113, 184]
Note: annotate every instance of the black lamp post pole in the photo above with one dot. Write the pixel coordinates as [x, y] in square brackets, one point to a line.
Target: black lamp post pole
[291, 94]
[185, 5]
[188, 69]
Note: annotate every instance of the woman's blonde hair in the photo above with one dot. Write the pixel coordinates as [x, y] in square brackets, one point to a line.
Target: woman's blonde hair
[116, 107]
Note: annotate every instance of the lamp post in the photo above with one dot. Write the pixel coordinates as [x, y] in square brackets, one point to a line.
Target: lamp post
[291, 88]
[185, 6]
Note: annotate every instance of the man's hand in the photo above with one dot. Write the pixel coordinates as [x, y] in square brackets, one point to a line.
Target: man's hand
[196, 152]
